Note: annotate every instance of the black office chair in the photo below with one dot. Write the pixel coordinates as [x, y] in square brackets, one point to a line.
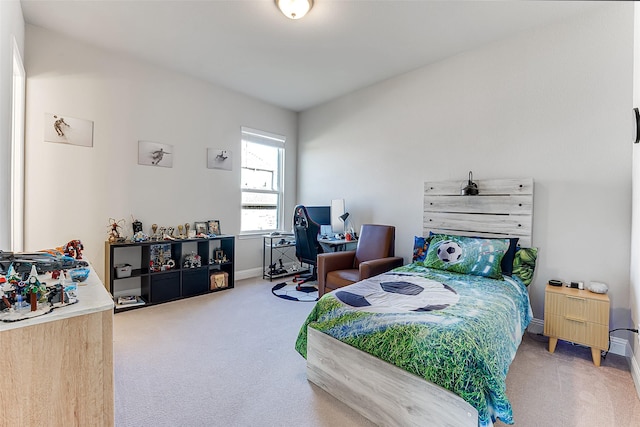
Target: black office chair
[307, 246]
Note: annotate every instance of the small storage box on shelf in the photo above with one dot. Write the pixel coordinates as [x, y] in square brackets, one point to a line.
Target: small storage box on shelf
[128, 271]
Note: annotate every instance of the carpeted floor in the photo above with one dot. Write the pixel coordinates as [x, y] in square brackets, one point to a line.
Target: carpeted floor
[227, 359]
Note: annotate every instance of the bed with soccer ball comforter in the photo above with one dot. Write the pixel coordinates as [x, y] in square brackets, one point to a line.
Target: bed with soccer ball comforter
[458, 331]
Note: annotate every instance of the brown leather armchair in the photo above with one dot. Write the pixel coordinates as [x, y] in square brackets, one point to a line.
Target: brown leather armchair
[373, 255]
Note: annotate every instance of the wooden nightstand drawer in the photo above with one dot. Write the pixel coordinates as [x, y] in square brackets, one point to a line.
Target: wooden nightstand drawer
[577, 307]
[577, 331]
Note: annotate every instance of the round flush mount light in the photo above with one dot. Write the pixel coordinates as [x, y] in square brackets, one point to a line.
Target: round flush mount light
[294, 9]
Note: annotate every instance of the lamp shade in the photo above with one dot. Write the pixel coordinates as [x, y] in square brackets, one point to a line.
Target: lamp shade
[344, 216]
[294, 9]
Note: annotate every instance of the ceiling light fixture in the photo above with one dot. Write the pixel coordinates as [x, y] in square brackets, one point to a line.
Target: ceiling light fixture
[294, 9]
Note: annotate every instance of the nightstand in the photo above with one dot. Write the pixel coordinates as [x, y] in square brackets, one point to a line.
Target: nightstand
[579, 316]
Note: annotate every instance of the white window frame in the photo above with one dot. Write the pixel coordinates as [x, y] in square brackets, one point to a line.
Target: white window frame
[17, 151]
[276, 141]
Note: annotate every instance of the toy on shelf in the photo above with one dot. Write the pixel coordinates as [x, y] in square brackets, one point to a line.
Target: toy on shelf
[192, 260]
[114, 232]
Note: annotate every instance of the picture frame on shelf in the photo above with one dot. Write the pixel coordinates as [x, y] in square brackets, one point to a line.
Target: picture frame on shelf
[200, 227]
[214, 227]
[218, 256]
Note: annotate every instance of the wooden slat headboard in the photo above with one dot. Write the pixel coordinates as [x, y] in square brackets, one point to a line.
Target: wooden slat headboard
[503, 208]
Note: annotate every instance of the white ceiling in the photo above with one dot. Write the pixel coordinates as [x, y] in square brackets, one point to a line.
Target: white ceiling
[248, 46]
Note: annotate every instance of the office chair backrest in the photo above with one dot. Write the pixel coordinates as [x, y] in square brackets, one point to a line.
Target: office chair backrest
[306, 232]
[375, 242]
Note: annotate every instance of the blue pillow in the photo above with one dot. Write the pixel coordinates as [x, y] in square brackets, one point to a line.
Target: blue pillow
[467, 255]
[420, 247]
[509, 256]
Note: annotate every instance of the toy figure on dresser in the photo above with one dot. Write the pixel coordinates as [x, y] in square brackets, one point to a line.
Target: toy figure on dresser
[114, 233]
[181, 234]
[154, 231]
[23, 299]
[34, 288]
[5, 289]
[45, 261]
[74, 249]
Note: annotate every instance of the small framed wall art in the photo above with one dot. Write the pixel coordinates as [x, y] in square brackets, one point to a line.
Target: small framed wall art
[217, 158]
[155, 154]
[68, 130]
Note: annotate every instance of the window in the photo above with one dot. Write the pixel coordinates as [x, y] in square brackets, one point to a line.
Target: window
[261, 180]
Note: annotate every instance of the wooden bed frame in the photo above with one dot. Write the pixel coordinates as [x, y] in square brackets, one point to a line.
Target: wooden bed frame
[384, 393]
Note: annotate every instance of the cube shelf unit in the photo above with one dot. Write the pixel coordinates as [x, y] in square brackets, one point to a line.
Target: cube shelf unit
[155, 287]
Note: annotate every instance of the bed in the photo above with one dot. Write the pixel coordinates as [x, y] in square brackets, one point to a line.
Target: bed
[430, 343]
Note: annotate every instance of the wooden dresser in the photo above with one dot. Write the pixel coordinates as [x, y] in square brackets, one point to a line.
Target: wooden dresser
[58, 367]
[579, 316]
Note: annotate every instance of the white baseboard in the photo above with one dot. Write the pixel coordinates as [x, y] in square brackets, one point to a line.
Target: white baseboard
[619, 346]
[247, 274]
[634, 367]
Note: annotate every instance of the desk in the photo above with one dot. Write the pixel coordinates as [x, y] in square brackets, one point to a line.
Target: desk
[337, 244]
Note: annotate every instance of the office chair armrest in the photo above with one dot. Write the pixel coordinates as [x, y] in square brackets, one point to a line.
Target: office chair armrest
[379, 266]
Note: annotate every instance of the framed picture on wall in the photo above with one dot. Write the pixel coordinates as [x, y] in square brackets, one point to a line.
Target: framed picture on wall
[218, 158]
[155, 154]
[68, 130]
[214, 227]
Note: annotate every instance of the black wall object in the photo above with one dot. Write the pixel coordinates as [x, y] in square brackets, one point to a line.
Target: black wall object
[637, 125]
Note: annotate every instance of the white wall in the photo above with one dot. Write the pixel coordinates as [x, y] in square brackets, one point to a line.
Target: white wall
[634, 297]
[72, 191]
[552, 104]
[11, 27]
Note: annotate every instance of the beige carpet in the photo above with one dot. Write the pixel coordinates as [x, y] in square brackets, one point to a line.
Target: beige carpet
[227, 359]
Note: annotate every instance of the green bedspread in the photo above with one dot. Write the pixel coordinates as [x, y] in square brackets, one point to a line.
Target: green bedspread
[458, 331]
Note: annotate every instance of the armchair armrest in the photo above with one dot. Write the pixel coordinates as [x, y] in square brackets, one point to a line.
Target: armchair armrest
[331, 261]
[379, 266]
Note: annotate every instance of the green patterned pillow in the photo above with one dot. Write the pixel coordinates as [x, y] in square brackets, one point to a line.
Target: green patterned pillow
[467, 255]
[524, 264]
